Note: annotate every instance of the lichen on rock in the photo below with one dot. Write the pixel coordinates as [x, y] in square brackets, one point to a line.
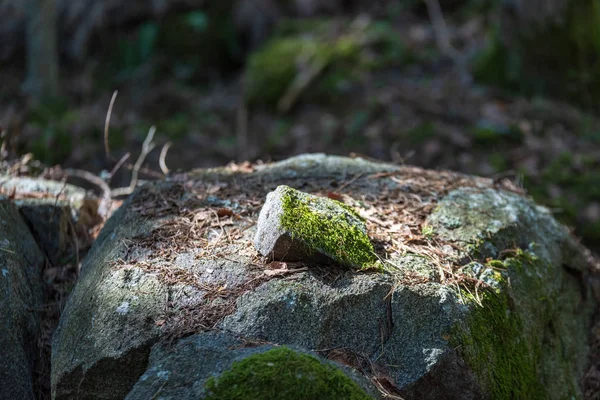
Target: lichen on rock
[298, 226]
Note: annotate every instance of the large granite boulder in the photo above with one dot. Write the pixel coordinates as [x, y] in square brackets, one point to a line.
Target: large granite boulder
[480, 294]
[21, 301]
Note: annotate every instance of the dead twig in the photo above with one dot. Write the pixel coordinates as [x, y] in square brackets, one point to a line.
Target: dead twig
[118, 165]
[107, 123]
[163, 156]
[147, 147]
[440, 29]
[106, 198]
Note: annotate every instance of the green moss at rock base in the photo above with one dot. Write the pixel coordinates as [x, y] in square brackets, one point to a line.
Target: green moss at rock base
[328, 232]
[503, 338]
[283, 374]
[494, 347]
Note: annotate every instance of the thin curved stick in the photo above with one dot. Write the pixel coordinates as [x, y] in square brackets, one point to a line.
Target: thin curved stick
[107, 123]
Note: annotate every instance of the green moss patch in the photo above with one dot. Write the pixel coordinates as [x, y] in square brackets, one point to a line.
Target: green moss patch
[496, 349]
[327, 226]
[512, 337]
[283, 374]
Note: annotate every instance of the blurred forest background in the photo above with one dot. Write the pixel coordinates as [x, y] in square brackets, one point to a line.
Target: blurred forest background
[500, 88]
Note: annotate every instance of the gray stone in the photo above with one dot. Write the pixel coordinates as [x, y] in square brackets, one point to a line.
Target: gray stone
[176, 373]
[21, 299]
[107, 328]
[403, 330]
[177, 259]
[51, 210]
[296, 226]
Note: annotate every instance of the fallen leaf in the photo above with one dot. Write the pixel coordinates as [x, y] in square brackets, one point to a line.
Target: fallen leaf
[213, 189]
[277, 265]
[334, 196]
[273, 272]
[224, 212]
[202, 215]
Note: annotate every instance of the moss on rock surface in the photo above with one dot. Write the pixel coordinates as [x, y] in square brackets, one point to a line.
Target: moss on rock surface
[519, 335]
[495, 345]
[282, 373]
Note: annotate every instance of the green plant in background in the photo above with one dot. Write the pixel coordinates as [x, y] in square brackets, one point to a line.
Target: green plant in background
[568, 184]
[175, 127]
[328, 57]
[54, 120]
[135, 52]
[557, 56]
[183, 45]
[196, 41]
[421, 133]
[486, 133]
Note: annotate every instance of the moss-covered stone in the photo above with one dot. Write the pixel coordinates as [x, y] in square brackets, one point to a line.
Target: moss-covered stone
[320, 224]
[21, 295]
[297, 226]
[505, 337]
[283, 374]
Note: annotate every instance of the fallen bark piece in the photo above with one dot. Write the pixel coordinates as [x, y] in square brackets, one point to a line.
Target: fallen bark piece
[296, 226]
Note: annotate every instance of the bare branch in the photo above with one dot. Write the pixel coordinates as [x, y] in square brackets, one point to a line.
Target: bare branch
[118, 165]
[440, 29]
[95, 180]
[147, 147]
[107, 123]
[163, 156]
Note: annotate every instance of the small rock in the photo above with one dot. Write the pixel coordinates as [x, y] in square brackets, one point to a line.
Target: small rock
[296, 226]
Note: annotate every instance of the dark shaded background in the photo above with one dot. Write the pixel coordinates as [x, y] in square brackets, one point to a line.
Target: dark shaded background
[506, 89]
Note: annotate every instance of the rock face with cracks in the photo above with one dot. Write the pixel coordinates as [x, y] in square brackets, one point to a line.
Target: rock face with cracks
[480, 294]
[297, 226]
